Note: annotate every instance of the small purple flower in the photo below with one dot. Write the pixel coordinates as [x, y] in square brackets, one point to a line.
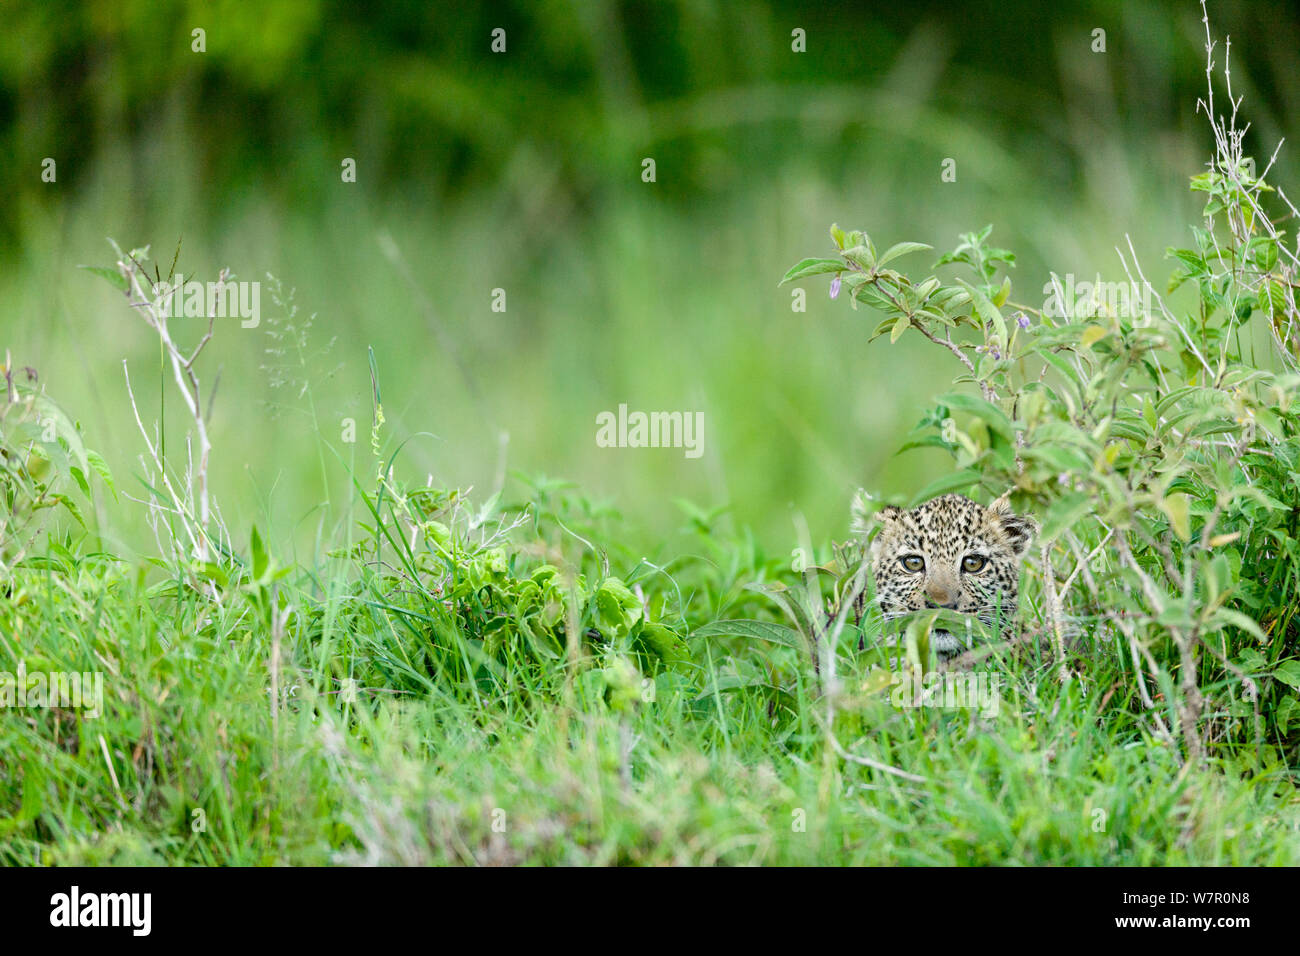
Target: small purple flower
[996, 354]
[835, 287]
[1022, 320]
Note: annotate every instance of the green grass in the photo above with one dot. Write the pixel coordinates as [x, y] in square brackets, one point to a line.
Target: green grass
[401, 736]
[415, 720]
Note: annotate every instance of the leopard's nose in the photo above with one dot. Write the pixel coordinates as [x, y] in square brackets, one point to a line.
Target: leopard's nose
[946, 601]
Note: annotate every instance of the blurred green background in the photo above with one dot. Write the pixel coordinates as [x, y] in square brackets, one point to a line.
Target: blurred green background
[522, 170]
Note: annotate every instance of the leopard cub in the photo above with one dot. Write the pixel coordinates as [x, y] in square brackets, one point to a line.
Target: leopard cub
[950, 552]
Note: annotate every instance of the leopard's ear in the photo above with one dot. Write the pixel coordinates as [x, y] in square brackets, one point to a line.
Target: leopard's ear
[1018, 530]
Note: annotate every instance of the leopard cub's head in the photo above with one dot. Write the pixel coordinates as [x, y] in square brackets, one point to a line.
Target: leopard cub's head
[951, 552]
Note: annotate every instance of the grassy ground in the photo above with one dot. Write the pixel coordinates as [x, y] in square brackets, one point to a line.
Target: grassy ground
[420, 708]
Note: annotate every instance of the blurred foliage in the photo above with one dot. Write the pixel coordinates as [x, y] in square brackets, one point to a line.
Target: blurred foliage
[286, 88]
[523, 170]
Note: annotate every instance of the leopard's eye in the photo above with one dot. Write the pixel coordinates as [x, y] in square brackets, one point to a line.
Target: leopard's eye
[913, 562]
[973, 563]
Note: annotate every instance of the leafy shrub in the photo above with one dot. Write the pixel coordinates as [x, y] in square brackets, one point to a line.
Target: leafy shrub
[446, 596]
[1159, 441]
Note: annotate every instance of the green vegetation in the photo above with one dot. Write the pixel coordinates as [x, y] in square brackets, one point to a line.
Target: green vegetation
[414, 672]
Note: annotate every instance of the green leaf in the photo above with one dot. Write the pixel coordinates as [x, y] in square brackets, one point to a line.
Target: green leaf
[928, 441]
[617, 608]
[211, 571]
[80, 478]
[812, 267]
[1263, 249]
[258, 554]
[112, 275]
[96, 461]
[989, 313]
[755, 630]
[1003, 293]
[901, 249]
[1288, 672]
[862, 255]
[926, 288]
[666, 643]
[790, 601]
[900, 326]
[1174, 398]
[982, 409]
[1286, 712]
[70, 506]
[1149, 412]
[1241, 622]
[1277, 299]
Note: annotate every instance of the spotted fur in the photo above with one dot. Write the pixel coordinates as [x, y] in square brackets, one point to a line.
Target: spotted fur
[950, 552]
